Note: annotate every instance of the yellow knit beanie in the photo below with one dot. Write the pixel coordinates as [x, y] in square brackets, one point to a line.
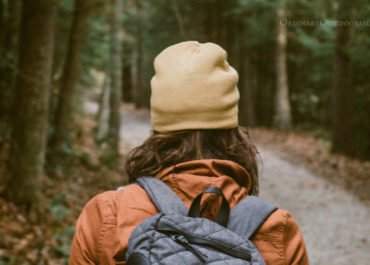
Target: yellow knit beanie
[194, 87]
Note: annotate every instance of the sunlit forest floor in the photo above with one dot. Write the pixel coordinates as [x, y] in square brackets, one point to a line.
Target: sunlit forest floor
[328, 195]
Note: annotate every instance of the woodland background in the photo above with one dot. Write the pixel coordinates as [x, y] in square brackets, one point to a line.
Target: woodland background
[304, 68]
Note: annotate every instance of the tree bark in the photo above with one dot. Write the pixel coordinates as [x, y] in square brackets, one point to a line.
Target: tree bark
[214, 22]
[102, 116]
[179, 19]
[341, 85]
[126, 65]
[3, 5]
[63, 127]
[247, 99]
[126, 83]
[136, 70]
[282, 115]
[12, 25]
[31, 107]
[116, 73]
[232, 28]
[264, 104]
[9, 54]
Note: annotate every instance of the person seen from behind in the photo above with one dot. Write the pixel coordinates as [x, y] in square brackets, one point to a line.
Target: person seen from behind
[196, 143]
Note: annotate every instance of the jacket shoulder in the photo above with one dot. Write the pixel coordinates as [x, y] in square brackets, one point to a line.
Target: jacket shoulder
[280, 240]
[106, 204]
[274, 224]
[101, 208]
[97, 217]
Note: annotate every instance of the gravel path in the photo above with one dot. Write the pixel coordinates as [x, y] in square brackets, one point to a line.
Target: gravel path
[135, 127]
[336, 226]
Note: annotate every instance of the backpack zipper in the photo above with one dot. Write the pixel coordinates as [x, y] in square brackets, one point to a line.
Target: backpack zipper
[185, 243]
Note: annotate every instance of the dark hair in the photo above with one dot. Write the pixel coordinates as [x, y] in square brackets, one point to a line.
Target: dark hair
[162, 150]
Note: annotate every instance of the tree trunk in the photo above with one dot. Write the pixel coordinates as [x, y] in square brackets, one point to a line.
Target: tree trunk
[31, 107]
[63, 126]
[247, 112]
[136, 70]
[3, 5]
[102, 116]
[9, 54]
[116, 72]
[264, 104]
[341, 86]
[214, 22]
[282, 115]
[179, 19]
[126, 83]
[135, 79]
[232, 28]
[126, 65]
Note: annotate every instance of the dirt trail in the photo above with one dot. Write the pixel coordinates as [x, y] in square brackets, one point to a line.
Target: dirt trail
[336, 225]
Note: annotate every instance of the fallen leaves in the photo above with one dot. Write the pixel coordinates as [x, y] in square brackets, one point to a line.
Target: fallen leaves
[45, 237]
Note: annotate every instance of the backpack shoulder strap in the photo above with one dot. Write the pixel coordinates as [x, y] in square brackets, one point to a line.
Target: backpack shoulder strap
[248, 215]
[162, 196]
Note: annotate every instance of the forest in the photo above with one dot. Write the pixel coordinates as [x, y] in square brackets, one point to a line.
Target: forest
[303, 68]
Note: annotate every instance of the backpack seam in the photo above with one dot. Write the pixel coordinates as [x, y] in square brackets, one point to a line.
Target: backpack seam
[152, 239]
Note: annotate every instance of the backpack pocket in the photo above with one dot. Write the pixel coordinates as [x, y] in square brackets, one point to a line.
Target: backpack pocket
[206, 234]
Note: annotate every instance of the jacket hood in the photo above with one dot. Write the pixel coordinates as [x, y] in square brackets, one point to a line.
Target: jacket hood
[190, 178]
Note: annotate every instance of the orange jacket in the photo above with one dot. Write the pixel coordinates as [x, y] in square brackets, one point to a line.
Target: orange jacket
[106, 222]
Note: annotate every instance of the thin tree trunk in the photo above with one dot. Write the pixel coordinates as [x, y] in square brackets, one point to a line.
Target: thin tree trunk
[9, 54]
[247, 116]
[179, 18]
[341, 86]
[208, 27]
[126, 83]
[246, 103]
[216, 25]
[137, 88]
[139, 59]
[116, 72]
[135, 77]
[103, 112]
[127, 94]
[232, 30]
[264, 104]
[63, 127]
[282, 116]
[31, 107]
[3, 5]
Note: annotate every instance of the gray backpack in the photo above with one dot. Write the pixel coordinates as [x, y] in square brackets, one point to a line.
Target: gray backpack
[177, 235]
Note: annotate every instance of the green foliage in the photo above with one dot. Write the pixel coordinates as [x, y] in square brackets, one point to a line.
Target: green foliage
[255, 5]
[63, 240]
[96, 52]
[108, 158]
[59, 211]
[311, 53]
[11, 260]
[66, 6]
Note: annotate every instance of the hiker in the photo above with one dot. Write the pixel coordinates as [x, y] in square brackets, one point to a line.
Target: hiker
[196, 149]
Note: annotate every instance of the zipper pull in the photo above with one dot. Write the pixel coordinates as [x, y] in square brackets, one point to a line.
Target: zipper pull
[185, 243]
